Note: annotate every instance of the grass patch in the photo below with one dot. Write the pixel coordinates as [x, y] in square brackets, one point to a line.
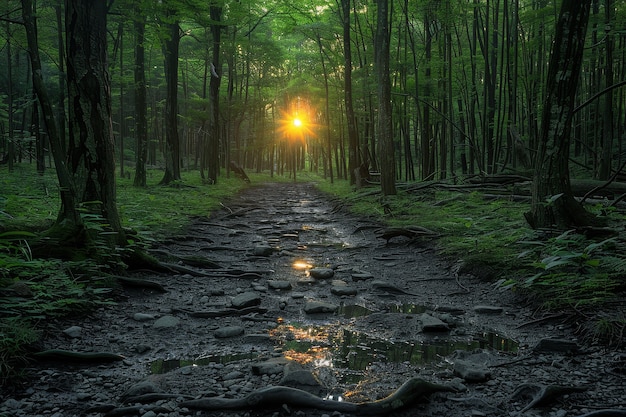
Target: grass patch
[34, 290]
[490, 236]
[481, 232]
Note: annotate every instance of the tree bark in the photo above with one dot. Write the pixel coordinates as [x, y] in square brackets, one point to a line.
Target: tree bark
[141, 116]
[213, 148]
[172, 142]
[68, 212]
[91, 144]
[553, 203]
[354, 161]
[385, 128]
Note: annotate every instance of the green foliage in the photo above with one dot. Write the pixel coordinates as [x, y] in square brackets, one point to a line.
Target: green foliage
[572, 270]
[481, 232]
[16, 334]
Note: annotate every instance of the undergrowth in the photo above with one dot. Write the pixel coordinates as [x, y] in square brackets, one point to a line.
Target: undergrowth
[562, 272]
[34, 290]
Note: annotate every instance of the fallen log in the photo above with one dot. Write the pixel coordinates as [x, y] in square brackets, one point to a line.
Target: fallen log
[409, 393]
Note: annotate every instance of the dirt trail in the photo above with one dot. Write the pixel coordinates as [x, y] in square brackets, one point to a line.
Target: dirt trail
[300, 293]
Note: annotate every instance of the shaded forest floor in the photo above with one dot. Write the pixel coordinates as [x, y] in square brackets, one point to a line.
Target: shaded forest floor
[285, 286]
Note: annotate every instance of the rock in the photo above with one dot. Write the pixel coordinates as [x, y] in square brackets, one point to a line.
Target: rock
[166, 322]
[488, 309]
[342, 290]
[321, 273]
[297, 295]
[471, 371]
[556, 345]
[316, 307]
[432, 324]
[143, 317]
[229, 331]
[140, 388]
[270, 367]
[263, 250]
[384, 286]
[73, 332]
[279, 285]
[361, 276]
[302, 379]
[246, 299]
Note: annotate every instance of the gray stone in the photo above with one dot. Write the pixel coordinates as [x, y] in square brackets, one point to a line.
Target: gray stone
[342, 289]
[488, 309]
[361, 276]
[316, 307]
[140, 388]
[143, 317]
[279, 285]
[302, 379]
[322, 273]
[246, 299]
[471, 371]
[166, 322]
[270, 367]
[262, 250]
[73, 332]
[432, 324]
[229, 331]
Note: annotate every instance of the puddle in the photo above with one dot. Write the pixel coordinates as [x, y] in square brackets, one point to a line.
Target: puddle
[334, 346]
[355, 351]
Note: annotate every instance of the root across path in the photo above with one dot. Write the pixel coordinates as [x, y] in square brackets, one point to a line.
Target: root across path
[283, 303]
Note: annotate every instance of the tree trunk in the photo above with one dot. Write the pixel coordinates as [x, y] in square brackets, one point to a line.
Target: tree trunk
[68, 214]
[172, 142]
[553, 203]
[141, 117]
[353, 138]
[385, 130]
[91, 144]
[213, 157]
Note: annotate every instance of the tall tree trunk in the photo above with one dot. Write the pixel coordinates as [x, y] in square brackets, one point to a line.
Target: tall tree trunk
[91, 143]
[553, 203]
[385, 128]
[354, 159]
[68, 213]
[172, 141]
[141, 116]
[607, 116]
[213, 161]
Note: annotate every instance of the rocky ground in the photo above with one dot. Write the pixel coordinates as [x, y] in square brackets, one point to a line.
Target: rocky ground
[284, 288]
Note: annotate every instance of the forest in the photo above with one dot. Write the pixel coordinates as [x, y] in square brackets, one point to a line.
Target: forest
[382, 98]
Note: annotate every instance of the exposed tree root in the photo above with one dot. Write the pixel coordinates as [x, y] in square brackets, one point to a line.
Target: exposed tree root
[78, 357]
[140, 283]
[409, 393]
[543, 394]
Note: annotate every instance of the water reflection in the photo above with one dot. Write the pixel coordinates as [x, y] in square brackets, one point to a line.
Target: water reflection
[343, 348]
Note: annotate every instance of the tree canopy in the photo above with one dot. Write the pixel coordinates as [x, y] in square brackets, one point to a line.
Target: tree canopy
[200, 85]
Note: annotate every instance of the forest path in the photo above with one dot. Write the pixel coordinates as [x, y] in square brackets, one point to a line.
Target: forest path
[283, 287]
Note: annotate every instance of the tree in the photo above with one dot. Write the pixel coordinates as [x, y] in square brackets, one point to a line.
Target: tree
[385, 131]
[353, 138]
[68, 214]
[553, 203]
[91, 156]
[172, 141]
[213, 160]
[141, 117]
